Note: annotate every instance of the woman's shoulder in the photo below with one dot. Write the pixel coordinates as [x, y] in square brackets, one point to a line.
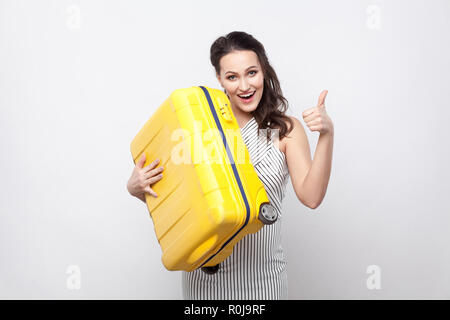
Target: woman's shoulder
[296, 128]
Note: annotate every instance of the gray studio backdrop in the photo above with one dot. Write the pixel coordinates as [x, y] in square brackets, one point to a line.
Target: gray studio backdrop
[78, 79]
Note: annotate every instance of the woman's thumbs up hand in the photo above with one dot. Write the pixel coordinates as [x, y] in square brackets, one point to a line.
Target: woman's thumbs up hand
[316, 118]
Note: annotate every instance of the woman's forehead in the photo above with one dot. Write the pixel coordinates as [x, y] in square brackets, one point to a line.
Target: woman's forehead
[237, 61]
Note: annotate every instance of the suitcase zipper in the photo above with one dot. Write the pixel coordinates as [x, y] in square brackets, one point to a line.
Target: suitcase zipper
[233, 166]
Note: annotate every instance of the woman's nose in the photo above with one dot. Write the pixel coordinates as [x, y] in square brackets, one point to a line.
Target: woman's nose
[243, 85]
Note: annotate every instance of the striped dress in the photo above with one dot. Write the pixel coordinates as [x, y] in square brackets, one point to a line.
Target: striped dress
[257, 268]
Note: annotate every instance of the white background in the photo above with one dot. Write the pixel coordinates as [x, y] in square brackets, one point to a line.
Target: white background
[78, 79]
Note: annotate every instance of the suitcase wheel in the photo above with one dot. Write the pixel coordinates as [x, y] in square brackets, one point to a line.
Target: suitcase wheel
[267, 213]
[211, 270]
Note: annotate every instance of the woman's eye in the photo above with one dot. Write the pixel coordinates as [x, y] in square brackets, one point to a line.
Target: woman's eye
[254, 72]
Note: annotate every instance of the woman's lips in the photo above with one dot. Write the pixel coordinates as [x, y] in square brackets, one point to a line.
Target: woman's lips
[249, 99]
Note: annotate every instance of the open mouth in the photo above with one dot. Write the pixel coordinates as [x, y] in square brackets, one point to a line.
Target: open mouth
[247, 98]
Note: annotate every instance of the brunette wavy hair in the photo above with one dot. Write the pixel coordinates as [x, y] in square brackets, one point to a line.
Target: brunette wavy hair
[270, 113]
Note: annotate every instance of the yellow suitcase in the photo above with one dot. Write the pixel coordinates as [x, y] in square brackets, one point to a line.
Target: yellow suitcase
[210, 196]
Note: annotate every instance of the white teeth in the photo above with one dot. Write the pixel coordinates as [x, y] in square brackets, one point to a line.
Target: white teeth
[247, 95]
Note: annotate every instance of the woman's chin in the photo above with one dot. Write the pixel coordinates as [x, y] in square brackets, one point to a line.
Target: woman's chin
[248, 107]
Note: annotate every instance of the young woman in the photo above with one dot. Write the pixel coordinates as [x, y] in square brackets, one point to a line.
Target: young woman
[257, 268]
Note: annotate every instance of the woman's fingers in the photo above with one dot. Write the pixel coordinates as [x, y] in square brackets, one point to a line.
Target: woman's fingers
[150, 191]
[151, 166]
[141, 161]
[149, 175]
[153, 179]
[153, 172]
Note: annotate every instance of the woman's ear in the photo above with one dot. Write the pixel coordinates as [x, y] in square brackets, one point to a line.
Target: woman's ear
[219, 79]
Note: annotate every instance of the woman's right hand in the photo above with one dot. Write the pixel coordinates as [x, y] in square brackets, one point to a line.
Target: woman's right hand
[141, 178]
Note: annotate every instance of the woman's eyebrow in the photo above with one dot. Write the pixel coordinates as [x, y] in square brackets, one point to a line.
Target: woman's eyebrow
[245, 69]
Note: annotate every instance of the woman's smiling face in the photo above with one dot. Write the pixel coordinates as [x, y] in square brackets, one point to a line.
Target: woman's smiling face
[241, 75]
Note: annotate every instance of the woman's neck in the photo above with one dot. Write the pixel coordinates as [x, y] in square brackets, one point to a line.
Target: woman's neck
[241, 117]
